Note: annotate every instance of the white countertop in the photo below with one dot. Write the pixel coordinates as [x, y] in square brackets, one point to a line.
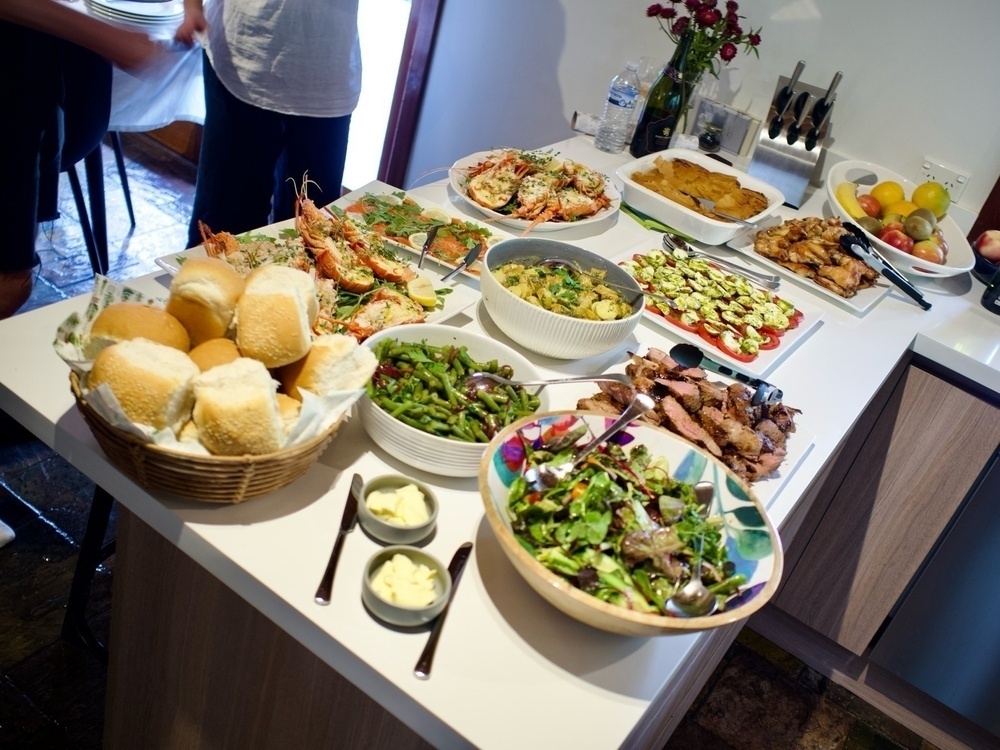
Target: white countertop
[509, 666]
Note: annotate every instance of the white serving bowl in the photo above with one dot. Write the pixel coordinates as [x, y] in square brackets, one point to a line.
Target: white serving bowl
[385, 530]
[961, 257]
[683, 219]
[752, 543]
[546, 332]
[399, 614]
[431, 453]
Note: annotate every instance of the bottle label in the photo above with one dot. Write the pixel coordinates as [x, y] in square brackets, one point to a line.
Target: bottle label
[659, 132]
[621, 99]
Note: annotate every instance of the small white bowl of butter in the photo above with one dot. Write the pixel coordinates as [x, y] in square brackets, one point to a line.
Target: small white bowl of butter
[395, 509]
[405, 586]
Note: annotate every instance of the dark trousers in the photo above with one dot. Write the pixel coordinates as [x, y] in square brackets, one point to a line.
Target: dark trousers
[252, 162]
[58, 101]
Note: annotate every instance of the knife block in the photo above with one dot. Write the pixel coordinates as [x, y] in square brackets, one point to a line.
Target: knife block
[788, 167]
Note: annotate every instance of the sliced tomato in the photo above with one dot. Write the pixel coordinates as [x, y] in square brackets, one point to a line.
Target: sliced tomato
[795, 318]
[772, 341]
[737, 355]
[705, 331]
[680, 323]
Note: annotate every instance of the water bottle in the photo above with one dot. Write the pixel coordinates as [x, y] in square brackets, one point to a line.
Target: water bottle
[617, 118]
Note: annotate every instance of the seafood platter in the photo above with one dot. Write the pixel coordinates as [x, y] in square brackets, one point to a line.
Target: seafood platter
[415, 225]
[722, 312]
[362, 283]
[807, 251]
[533, 190]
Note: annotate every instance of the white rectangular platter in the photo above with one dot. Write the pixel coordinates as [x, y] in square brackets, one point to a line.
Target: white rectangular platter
[859, 304]
[433, 211]
[766, 360]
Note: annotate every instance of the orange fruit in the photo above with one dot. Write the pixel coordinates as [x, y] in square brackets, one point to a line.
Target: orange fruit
[887, 192]
[904, 208]
[933, 196]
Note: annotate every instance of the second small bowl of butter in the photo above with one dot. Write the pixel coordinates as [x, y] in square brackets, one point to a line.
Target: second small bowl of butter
[395, 509]
[405, 586]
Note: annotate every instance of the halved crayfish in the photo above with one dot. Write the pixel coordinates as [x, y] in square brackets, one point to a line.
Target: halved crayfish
[385, 308]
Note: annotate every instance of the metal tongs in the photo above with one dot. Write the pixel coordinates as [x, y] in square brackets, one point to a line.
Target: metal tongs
[858, 245]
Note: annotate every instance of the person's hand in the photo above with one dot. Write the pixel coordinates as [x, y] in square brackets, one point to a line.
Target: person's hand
[194, 23]
[135, 52]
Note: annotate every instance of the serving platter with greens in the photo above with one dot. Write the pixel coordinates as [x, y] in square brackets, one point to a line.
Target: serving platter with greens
[613, 542]
[407, 222]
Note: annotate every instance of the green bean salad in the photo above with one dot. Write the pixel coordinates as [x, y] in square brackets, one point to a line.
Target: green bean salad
[424, 386]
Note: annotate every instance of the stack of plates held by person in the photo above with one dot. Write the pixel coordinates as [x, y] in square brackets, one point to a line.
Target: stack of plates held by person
[155, 13]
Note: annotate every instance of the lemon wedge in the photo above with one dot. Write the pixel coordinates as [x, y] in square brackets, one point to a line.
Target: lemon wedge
[421, 290]
[417, 240]
[436, 214]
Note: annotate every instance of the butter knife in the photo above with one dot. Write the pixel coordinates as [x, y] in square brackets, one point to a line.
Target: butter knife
[455, 568]
[346, 526]
[470, 258]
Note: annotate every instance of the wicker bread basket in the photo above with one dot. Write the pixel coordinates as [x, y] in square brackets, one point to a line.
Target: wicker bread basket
[209, 479]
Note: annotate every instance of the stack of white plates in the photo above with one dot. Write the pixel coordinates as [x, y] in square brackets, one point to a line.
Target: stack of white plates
[156, 13]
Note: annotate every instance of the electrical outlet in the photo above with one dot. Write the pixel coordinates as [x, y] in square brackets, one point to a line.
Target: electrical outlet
[951, 179]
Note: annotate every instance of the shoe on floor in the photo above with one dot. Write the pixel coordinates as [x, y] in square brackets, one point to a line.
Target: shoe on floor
[15, 288]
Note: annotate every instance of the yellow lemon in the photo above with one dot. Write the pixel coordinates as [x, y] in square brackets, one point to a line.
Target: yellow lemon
[903, 208]
[933, 196]
[421, 290]
[887, 192]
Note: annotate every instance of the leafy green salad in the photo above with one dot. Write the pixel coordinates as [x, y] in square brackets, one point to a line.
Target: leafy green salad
[621, 528]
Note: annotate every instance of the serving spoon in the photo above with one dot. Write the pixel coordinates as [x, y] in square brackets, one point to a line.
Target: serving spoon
[482, 380]
[766, 280]
[569, 265]
[694, 599]
[549, 475]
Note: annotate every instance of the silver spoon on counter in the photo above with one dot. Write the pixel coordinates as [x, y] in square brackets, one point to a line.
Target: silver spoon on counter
[548, 475]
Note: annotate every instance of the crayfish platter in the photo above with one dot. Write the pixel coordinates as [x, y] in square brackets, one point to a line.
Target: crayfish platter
[597, 204]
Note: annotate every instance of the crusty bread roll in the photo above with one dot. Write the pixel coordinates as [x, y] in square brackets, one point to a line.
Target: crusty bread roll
[123, 321]
[334, 363]
[289, 409]
[274, 316]
[236, 409]
[203, 297]
[213, 352]
[151, 381]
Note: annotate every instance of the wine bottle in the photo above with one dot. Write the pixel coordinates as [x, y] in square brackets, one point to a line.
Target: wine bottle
[664, 105]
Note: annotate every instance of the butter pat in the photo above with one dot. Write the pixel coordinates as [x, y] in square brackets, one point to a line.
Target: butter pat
[402, 507]
[401, 581]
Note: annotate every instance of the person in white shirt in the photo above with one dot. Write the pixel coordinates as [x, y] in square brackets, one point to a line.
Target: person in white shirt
[282, 78]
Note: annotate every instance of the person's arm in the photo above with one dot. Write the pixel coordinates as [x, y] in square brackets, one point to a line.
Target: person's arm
[127, 49]
[193, 23]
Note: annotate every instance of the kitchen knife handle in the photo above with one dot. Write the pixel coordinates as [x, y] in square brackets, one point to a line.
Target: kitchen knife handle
[785, 95]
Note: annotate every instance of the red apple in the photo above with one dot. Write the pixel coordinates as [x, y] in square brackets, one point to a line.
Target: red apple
[898, 239]
[896, 226]
[870, 205]
[928, 250]
[988, 245]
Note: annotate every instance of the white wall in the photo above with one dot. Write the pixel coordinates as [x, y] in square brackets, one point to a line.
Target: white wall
[921, 77]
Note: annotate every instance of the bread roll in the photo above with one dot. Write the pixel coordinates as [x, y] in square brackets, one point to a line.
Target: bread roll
[289, 410]
[151, 381]
[123, 321]
[334, 363]
[213, 352]
[203, 297]
[274, 316]
[236, 409]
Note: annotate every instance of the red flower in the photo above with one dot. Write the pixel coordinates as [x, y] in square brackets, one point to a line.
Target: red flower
[668, 13]
[732, 6]
[679, 25]
[727, 52]
[753, 40]
[692, 6]
[708, 17]
[654, 10]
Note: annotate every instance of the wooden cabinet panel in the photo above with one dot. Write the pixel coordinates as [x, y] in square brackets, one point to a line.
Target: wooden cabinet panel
[193, 665]
[916, 466]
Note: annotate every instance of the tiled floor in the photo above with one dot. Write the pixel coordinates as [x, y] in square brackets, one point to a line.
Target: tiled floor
[52, 691]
